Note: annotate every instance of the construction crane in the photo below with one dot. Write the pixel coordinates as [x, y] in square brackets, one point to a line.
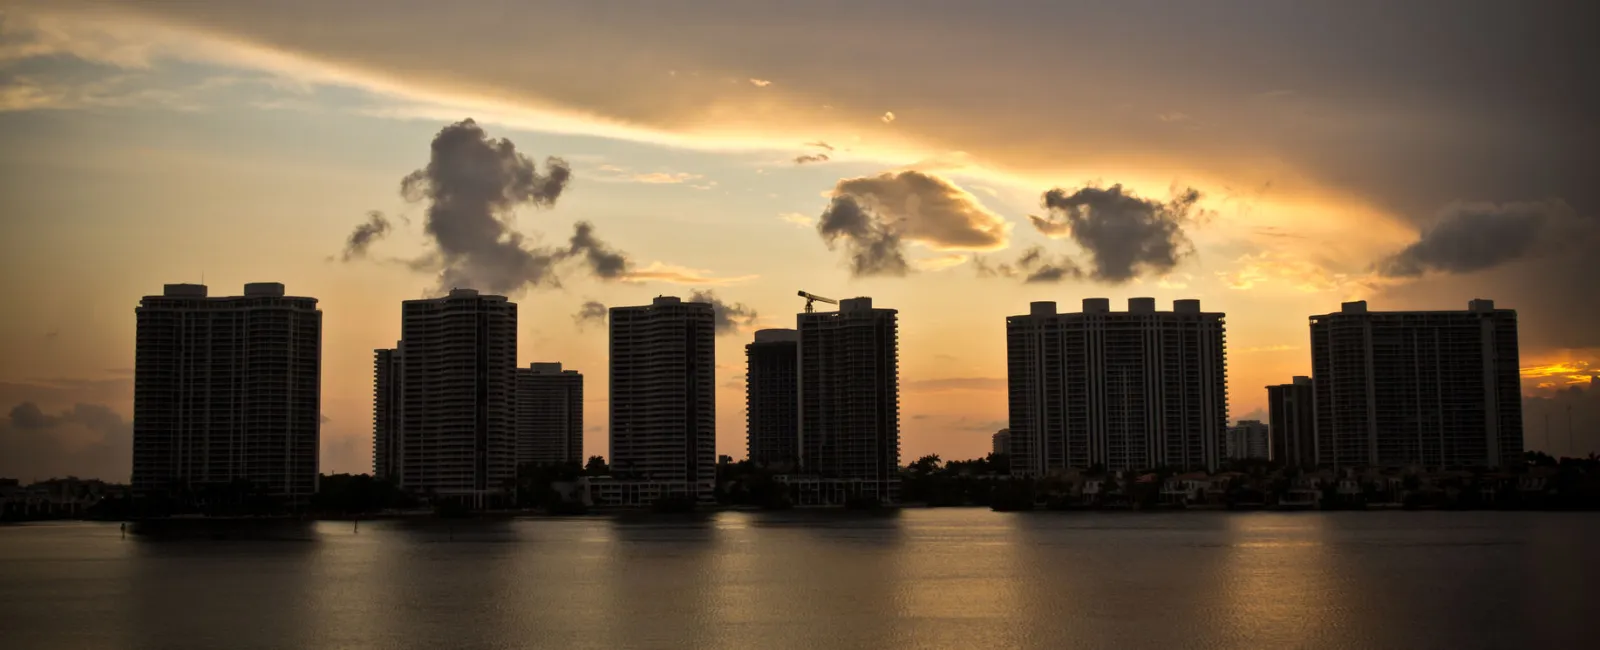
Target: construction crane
[811, 297]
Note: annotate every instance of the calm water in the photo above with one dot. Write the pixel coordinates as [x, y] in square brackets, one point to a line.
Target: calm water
[963, 578]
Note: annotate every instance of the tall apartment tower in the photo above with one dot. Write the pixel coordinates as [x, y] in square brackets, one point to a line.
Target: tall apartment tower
[227, 389]
[1000, 443]
[1121, 390]
[1292, 421]
[663, 409]
[1247, 440]
[549, 415]
[458, 389]
[387, 397]
[1435, 388]
[850, 397]
[772, 398]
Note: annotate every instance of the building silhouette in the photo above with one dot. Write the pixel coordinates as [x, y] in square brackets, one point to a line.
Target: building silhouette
[1247, 440]
[1292, 420]
[1000, 442]
[458, 386]
[1434, 388]
[663, 409]
[549, 415]
[1119, 390]
[227, 389]
[772, 398]
[850, 401]
[387, 396]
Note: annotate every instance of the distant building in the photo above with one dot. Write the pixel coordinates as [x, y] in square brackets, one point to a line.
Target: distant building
[387, 397]
[850, 400]
[549, 415]
[227, 389]
[663, 409]
[1436, 388]
[1001, 442]
[772, 397]
[1292, 418]
[1123, 390]
[1247, 440]
[458, 386]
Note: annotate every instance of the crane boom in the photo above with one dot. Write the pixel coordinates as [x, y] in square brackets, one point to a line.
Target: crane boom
[811, 297]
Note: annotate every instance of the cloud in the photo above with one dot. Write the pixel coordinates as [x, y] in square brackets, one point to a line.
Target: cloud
[888, 117]
[661, 272]
[874, 248]
[1034, 266]
[664, 178]
[939, 262]
[1266, 348]
[86, 440]
[820, 145]
[471, 184]
[728, 317]
[875, 215]
[957, 383]
[811, 158]
[591, 313]
[1297, 270]
[759, 83]
[375, 228]
[605, 262]
[798, 219]
[1467, 237]
[1124, 235]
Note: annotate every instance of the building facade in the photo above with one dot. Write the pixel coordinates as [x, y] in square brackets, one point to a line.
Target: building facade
[1292, 419]
[549, 415]
[227, 389]
[1247, 440]
[663, 409]
[772, 398]
[387, 397]
[458, 390]
[850, 400]
[1118, 390]
[1000, 443]
[1433, 388]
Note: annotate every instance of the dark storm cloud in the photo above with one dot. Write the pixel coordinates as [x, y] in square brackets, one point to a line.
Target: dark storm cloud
[727, 317]
[87, 440]
[471, 184]
[876, 215]
[375, 228]
[1125, 235]
[591, 313]
[1475, 236]
[1538, 258]
[874, 248]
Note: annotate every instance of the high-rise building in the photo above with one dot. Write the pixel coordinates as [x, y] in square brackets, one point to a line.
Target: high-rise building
[227, 389]
[1247, 440]
[850, 400]
[772, 398]
[1120, 390]
[458, 390]
[549, 415]
[1292, 415]
[1435, 388]
[663, 409]
[387, 398]
[1001, 443]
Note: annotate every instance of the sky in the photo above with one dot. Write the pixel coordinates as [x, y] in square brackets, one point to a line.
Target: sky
[952, 160]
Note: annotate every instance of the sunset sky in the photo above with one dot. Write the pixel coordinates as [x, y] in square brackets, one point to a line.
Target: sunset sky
[952, 160]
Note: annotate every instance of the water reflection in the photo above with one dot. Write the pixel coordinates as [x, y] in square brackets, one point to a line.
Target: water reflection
[957, 578]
